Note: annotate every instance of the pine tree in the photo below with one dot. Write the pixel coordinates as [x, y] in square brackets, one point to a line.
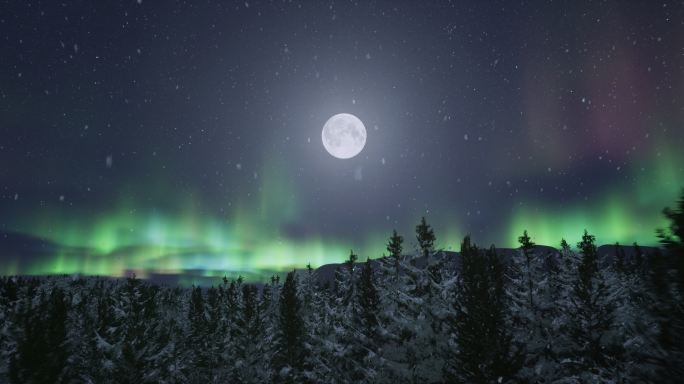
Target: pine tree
[244, 348]
[527, 247]
[347, 317]
[290, 360]
[106, 351]
[130, 342]
[200, 360]
[345, 280]
[392, 314]
[41, 353]
[318, 315]
[79, 327]
[672, 238]
[484, 353]
[669, 278]
[425, 237]
[357, 319]
[595, 351]
[395, 244]
[389, 266]
[368, 297]
[635, 325]
[531, 291]
[413, 315]
[269, 310]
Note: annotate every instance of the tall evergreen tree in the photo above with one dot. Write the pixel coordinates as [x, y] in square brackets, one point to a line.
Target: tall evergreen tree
[395, 244]
[368, 297]
[41, 352]
[290, 361]
[426, 238]
[269, 310]
[595, 350]
[484, 353]
[319, 315]
[672, 238]
[671, 297]
[390, 265]
[527, 247]
[531, 292]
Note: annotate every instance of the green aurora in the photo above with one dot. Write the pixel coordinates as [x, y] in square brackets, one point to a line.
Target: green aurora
[249, 241]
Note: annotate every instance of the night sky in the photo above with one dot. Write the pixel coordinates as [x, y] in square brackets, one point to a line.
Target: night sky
[163, 137]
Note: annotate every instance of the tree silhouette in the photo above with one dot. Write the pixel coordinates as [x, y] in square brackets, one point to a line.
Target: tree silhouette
[593, 309]
[527, 246]
[672, 237]
[672, 320]
[368, 296]
[291, 353]
[484, 353]
[394, 246]
[425, 237]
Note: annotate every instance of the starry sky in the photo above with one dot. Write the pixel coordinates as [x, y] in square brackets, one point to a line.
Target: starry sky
[163, 137]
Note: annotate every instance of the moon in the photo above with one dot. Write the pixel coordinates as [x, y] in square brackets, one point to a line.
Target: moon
[344, 136]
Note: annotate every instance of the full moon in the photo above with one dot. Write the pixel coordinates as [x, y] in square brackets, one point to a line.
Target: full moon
[344, 136]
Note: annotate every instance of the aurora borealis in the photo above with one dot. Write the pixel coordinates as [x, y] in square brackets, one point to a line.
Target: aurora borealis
[184, 138]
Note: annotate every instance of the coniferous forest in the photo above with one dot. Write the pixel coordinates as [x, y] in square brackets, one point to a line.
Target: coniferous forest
[483, 315]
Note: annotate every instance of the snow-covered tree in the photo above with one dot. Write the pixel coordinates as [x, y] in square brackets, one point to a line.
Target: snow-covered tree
[484, 351]
[290, 359]
[426, 238]
[596, 347]
[532, 305]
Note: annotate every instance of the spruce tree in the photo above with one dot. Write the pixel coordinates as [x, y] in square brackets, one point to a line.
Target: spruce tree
[345, 280]
[671, 287]
[368, 297]
[349, 319]
[672, 238]
[592, 311]
[291, 354]
[395, 244]
[484, 352]
[318, 315]
[527, 247]
[390, 266]
[41, 352]
[531, 290]
[426, 238]
[269, 309]
[359, 320]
